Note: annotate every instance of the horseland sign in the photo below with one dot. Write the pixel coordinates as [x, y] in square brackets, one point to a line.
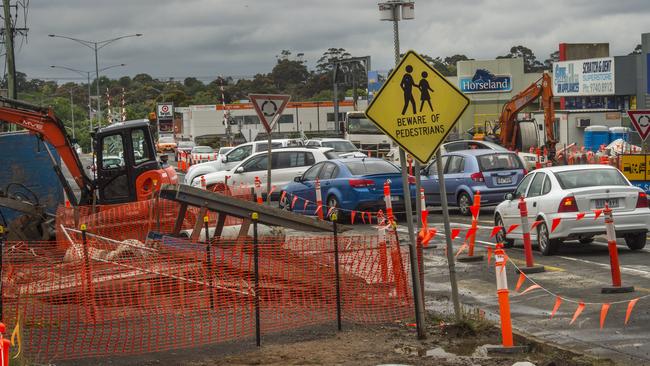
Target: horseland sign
[484, 81]
[593, 76]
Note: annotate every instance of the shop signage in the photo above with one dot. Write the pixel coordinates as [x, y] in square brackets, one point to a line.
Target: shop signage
[593, 76]
[483, 81]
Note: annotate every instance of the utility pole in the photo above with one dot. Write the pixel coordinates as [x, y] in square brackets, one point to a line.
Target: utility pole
[9, 45]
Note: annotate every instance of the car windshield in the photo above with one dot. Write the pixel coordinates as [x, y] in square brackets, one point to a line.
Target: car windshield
[166, 140]
[368, 167]
[493, 162]
[202, 149]
[186, 144]
[590, 178]
[340, 146]
[362, 125]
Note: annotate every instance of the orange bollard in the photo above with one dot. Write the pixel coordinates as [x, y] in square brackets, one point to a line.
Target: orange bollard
[319, 200]
[476, 209]
[503, 294]
[258, 190]
[613, 256]
[388, 201]
[538, 163]
[5, 345]
[383, 256]
[528, 247]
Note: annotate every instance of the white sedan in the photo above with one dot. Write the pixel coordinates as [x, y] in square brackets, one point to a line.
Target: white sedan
[286, 165]
[564, 192]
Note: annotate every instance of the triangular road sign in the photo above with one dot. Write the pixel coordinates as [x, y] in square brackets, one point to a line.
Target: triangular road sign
[641, 122]
[268, 106]
[419, 127]
[250, 133]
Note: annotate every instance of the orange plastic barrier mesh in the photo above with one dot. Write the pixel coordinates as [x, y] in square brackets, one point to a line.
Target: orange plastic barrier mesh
[115, 298]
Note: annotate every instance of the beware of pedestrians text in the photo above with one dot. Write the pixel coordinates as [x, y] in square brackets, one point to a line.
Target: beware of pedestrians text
[417, 107]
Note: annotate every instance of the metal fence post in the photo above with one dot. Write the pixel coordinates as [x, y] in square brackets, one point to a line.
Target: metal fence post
[208, 258]
[254, 218]
[89, 283]
[334, 218]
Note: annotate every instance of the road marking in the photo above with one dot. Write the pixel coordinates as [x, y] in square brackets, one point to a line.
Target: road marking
[644, 273]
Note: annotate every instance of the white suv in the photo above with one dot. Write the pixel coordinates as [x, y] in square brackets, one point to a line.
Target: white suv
[286, 165]
[343, 148]
[235, 156]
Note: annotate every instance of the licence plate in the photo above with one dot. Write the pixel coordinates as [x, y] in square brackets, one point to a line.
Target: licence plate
[611, 202]
[504, 180]
[394, 198]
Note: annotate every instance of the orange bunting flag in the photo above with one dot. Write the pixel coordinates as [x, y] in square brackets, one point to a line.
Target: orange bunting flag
[272, 189]
[555, 223]
[352, 215]
[283, 196]
[580, 216]
[511, 228]
[535, 224]
[531, 288]
[329, 211]
[363, 217]
[558, 301]
[603, 314]
[369, 217]
[630, 306]
[470, 232]
[304, 208]
[520, 281]
[318, 208]
[462, 247]
[581, 307]
[489, 254]
[495, 230]
[293, 201]
[474, 211]
[598, 213]
[454, 233]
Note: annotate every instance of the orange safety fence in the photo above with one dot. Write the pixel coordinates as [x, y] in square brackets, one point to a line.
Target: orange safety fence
[114, 297]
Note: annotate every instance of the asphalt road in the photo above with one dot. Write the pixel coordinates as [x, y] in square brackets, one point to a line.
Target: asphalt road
[577, 272]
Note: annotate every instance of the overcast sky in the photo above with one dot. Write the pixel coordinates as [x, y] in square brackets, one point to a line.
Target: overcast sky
[205, 38]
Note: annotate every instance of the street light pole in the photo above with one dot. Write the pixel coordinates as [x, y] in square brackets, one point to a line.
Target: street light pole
[87, 74]
[96, 46]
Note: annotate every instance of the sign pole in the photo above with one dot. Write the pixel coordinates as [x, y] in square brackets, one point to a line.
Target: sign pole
[268, 163]
[450, 248]
[415, 270]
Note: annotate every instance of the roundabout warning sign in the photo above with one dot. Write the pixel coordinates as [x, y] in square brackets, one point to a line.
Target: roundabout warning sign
[417, 107]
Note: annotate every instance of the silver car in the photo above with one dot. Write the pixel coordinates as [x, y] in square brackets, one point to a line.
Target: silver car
[564, 192]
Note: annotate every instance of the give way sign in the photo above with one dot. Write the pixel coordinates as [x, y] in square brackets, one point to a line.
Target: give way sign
[269, 108]
[641, 122]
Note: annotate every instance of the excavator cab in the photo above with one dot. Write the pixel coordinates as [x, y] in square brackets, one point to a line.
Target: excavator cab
[127, 169]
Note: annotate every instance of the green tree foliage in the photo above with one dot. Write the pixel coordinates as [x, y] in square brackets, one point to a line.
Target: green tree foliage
[531, 64]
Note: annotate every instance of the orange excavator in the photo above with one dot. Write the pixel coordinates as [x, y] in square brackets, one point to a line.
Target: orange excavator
[510, 136]
[126, 165]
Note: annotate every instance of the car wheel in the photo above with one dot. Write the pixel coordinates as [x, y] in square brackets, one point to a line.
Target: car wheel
[283, 203]
[546, 245]
[635, 241]
[464, 202]
[332, 201]
[501, 235]
[588, 240]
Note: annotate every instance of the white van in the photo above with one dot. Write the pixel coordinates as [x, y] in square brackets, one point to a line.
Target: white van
[235, 156]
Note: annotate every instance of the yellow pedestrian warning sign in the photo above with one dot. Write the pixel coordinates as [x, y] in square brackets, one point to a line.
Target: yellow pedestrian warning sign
[417, 107]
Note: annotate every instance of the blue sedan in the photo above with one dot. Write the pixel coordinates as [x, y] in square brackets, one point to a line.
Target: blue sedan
[493, 173]
[353, 184]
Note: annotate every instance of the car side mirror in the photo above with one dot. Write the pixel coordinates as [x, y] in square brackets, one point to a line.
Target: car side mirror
[239, 170]
[509, 196]
[224, 159]
[298, 179]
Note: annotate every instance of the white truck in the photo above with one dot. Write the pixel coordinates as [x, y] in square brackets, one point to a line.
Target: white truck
[363, 133]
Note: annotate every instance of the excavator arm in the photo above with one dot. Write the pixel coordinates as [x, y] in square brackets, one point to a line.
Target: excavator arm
[43, 123]
[509, 128]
